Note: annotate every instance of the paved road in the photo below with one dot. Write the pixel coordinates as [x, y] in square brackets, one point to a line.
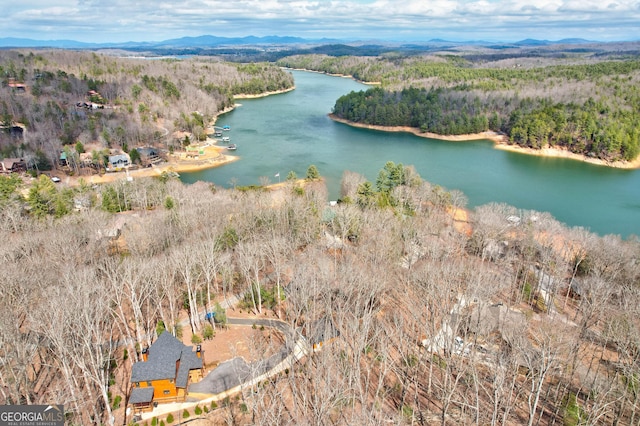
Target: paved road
[236, 371]
[233, 373]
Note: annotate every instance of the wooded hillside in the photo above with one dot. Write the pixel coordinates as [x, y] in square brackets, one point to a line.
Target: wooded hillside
[494, 316]
[507, 318]
[66, 97]
[586, 105]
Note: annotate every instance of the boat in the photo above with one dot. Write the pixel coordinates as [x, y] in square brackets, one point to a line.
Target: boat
[232, 147]
[226, 127]
[226, 139]
[217, 134]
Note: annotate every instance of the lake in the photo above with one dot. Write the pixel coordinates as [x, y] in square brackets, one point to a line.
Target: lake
[291, 131]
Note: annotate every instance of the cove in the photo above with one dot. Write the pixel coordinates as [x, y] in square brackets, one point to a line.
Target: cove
[291, 131]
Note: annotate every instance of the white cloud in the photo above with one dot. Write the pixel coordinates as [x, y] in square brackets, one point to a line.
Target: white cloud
[124, 20]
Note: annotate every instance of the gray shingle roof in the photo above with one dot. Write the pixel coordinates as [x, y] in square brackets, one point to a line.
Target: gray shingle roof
[147, 151]
[141, 395]
[322, 330]
[161, 364]
[189, 361]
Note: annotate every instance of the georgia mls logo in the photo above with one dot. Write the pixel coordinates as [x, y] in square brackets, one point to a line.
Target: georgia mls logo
[32, 415]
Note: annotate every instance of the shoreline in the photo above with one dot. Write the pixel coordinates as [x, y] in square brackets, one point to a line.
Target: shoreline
[499, 142]
[262, 95]
[369, 83]
[213, 156]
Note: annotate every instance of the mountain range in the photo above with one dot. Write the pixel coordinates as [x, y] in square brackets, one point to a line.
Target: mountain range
[215, 41]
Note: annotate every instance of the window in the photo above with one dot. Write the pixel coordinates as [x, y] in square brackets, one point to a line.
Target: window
[166, 392]
[170, 380]
[148, 383]
[137, 384]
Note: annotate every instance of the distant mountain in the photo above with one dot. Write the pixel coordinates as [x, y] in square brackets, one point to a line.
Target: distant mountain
[574, 41]
[534, 42]
[206, 41]
[183, 42]
[209, 41]
[27, 42]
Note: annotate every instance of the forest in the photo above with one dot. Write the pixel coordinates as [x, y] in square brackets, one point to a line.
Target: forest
[543, 319]
[139, 101]
[585, 106]
[445, 315]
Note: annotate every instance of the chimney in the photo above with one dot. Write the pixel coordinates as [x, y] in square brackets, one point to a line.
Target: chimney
[145, 354]
[199, 351]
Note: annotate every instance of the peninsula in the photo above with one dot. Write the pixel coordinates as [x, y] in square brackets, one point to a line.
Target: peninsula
[500, 141]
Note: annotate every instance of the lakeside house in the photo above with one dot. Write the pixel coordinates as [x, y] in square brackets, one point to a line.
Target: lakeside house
[164, 374]
[118, 162]
[12, 165]
[149, 155]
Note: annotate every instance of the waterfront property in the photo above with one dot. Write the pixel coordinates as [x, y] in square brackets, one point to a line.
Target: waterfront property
[164, 374]
[118, 162]
[149, 155]
[289, 132]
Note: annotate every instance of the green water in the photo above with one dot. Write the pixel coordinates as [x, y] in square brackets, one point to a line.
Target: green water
[291, 131]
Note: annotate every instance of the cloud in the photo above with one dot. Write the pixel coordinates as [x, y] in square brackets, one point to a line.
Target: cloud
[144, 20]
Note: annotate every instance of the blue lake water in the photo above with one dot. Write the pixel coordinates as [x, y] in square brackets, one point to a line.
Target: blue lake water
[291, 131]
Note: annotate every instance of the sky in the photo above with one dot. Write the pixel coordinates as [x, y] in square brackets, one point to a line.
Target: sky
[405, 20]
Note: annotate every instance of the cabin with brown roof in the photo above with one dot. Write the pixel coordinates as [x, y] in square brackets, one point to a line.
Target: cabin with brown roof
[12, 165]
[164, 374]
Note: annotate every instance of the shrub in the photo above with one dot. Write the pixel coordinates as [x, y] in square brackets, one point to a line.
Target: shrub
[221, 314]
[207, 332]
[185, 414]
[407, 411]
[197, 411]
[116, 402]
[196, 339]
[573, 413]
[312, 173]
[160, 328]
[170, 418]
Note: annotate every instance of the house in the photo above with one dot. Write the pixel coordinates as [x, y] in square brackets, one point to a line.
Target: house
[149, 155]
[12, 165]
[118, 162]
[18, 87]
[164, 374]
[320, 332]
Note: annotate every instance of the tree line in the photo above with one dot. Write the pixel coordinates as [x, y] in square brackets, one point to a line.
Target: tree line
[504, 317]
[591, 128]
